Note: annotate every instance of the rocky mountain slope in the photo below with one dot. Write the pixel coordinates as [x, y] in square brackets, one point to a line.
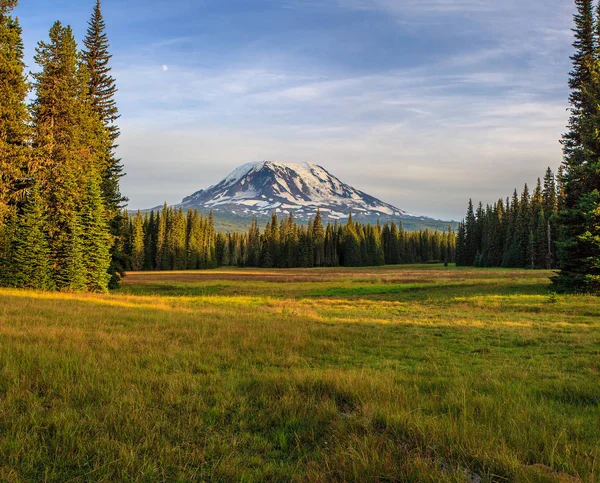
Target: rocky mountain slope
[259, 189]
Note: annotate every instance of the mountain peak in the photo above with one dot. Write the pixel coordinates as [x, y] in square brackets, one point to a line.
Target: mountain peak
[260, 188]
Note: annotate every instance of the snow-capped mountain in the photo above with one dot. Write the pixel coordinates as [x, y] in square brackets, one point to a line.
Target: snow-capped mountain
[261, 188]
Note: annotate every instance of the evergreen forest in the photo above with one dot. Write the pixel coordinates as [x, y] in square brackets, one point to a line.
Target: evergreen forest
[59, 181]
[172, 239]
[63, 223]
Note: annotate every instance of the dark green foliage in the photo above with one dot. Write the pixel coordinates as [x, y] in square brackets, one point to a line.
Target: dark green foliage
[471, 235]
[578, 248]
[282, 244]
[137, 242]
[351, 244]
[51, 168]
[69, 141]
[67, 255]
[14, 116]
[515, 234]
[318, 240]
[28, 263]
[253, 250]
[95, 238]
[101, 91]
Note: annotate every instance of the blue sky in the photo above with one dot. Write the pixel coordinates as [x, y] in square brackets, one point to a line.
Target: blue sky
[422, 103]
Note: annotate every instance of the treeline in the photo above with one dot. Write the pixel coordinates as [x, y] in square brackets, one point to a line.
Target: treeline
[518, 233]
[59, 176]
[175, 240]
[558, 226]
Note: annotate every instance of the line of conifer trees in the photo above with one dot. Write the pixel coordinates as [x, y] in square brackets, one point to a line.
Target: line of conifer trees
[59, 176]
[172, 239]
[518, 233]
[558, 226]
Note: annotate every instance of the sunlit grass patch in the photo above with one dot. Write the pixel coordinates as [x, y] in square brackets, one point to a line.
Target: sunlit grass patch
[392, 374]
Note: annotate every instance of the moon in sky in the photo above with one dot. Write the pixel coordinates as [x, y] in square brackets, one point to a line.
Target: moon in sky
[165, 68]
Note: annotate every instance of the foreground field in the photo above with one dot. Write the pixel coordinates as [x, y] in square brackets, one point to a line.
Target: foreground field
[392, 374]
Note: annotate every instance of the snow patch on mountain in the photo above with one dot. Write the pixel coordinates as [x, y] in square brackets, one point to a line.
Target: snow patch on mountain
[260, 188]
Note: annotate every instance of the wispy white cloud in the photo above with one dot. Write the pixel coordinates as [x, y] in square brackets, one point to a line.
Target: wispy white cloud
[430, 143]
[424, 136]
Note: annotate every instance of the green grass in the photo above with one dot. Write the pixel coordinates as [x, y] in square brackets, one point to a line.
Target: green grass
[413, 373]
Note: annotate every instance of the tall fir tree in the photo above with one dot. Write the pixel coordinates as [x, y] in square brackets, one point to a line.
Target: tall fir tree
[14, 115]
[29, 262]
[318, 240]
[102, 88]
[161, 262]
[137, 242]
[61, 116]
[471, 246]
[579, 217]
[95, 238]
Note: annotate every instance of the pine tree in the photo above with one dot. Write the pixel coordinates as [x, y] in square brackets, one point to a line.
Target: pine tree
[351, 253]
[14, 115]
[161, 262]
[210, 242]
[471, 245]
[101, 91]
[63, 148]
[67, 255]
[150, 238]
[497, 235]
[550, 204]
[512, 256]
[318, 233]
[331, 251]
[95, 239]
[137, 242]
[178, 240]
[461, 245]
[579, 217]
[29, 263]
[253, 245]
[195, 242]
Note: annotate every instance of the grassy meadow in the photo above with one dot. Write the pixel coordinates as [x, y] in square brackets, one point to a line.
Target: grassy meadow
[412, 373]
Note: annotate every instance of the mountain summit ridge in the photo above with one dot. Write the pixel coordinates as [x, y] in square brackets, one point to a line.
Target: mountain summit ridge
[263, 187]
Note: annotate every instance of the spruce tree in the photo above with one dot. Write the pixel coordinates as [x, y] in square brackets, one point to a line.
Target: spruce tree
[68, 256]
[29, 263]
[102, 88]
[61, 116]
[331, 253]
[318, 233]
[209, 244]
[351, 253]
[161, 262]
[471, 245]
[579, 217]
[150, 236]
[512, 256]
[137, 242]
[195, 259]
[253, 245]
[14, 115]
[178, 240]
[95, 238]
[550, 203]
